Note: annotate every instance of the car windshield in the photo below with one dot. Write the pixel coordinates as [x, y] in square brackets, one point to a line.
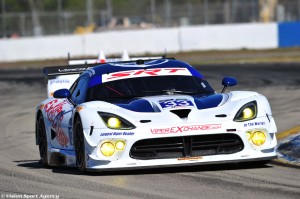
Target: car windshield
[149, 86]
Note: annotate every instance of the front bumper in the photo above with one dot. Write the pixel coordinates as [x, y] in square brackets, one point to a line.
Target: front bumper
[205, 160]
[125, 160]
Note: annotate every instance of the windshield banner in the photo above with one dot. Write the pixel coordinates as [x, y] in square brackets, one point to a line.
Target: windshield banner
[145, 73]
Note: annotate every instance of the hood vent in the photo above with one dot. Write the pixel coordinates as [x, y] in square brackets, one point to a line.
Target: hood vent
[182, 113]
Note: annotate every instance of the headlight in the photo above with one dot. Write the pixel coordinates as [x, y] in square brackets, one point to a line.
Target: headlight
[112, 148]
[120, 145]
[249, 134]
[113, 121]
[257, 137]
[247, 112]
[107, 149]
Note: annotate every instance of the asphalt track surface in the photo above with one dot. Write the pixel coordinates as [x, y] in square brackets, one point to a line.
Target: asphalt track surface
[22, 176]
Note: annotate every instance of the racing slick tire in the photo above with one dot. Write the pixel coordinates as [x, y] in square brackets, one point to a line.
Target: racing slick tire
[43, 144]
[79, 145]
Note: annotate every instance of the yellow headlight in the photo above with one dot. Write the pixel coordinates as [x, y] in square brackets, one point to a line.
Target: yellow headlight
[107, 149]
[120, 145]
[114, 122]
[248, 113]
[258, 138]
[248, 134]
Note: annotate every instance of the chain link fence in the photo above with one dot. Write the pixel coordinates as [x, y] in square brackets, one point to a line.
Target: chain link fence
[132, 14]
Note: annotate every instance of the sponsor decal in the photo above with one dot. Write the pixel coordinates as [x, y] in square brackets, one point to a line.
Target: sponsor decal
[145, 73]
[55, 115]
[254, 124]
[175, 103]
[117, 134]
[72, 70]
[191, 158]
[203, 85]
[184, 129]
[59, 81]
[91, 72]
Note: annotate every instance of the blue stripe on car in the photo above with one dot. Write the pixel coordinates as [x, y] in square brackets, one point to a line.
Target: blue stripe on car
[137, 105]
[95, 80]
[142, 105]
[210, 101]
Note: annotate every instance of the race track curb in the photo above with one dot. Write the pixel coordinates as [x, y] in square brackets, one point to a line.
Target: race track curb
[281, 136]
[284, 134]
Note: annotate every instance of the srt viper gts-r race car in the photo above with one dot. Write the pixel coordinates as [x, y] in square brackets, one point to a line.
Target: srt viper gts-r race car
[150, 113]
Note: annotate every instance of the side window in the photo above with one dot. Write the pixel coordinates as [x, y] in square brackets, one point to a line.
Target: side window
[79, 90]
[74, 85]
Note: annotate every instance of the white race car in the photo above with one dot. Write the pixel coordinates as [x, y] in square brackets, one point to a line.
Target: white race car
[153, 113]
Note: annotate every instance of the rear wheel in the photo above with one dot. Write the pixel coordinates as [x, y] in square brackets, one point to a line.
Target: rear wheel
[43, 144]
[79, 145]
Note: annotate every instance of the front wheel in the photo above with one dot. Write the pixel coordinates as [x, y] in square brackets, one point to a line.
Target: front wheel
[79, 145]
[43, 144]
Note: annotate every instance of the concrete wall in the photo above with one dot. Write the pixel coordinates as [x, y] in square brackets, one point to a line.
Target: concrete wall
[213, 37]
[228, 37]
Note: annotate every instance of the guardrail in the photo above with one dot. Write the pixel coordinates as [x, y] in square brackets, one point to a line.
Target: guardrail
[154, 41]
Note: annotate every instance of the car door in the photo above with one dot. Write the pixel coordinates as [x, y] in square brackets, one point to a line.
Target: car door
[78, 95]
[59, 113]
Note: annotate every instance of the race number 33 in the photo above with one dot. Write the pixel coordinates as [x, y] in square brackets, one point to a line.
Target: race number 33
[175, 103]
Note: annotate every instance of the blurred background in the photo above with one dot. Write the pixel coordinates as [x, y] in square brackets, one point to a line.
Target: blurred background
[25, 18]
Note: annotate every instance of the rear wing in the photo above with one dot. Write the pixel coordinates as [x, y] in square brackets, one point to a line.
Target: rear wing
[109, 60]
[59, 77]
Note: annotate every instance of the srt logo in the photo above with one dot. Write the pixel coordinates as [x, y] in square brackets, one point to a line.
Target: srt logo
[145, 73]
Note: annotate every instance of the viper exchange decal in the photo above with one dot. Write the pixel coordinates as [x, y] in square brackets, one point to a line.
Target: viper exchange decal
[184, 129]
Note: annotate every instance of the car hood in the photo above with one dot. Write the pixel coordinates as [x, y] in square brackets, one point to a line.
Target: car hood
[174, 109]
[172, 102]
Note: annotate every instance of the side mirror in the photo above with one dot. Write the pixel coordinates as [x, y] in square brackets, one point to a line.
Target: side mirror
[62, 93]
[228, 81]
